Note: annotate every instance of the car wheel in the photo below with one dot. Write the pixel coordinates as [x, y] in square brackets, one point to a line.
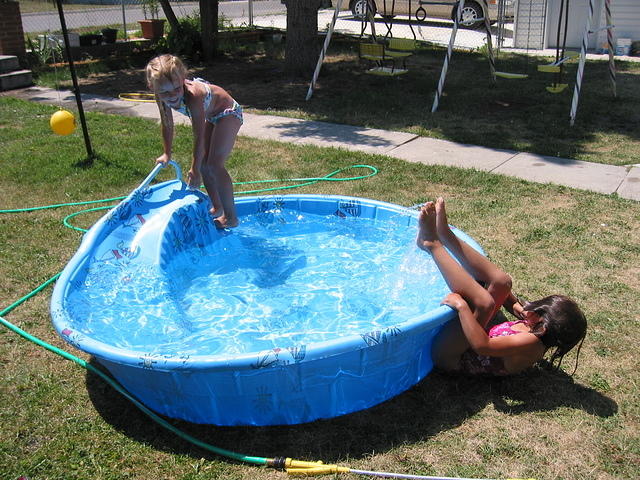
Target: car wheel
[471, 16]
[359, 7]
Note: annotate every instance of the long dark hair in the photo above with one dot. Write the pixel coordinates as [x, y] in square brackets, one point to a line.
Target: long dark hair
[563, 325]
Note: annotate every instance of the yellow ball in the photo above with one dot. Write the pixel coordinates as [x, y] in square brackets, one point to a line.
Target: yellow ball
[63, 122]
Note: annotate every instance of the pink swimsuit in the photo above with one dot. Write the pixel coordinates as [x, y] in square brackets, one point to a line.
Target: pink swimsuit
[472, 363]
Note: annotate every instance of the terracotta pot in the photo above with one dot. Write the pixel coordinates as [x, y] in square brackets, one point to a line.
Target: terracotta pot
[152, 29]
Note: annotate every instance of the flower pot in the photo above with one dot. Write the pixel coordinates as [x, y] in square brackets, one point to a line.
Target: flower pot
[152, 29]
[110, 35]
[53, 40]
[90, 40]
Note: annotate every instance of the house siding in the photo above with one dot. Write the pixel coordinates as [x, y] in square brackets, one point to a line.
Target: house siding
[626, 19]
[625, 14]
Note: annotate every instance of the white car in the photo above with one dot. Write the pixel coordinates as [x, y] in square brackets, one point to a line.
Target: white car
[419, 10]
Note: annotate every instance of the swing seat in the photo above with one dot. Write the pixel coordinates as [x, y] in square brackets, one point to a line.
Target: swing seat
[550, 68]
[400, 47]
[376, 54]
[557, 87]
[511, 75]
[373, 52]
[554, 67]
[386, 71]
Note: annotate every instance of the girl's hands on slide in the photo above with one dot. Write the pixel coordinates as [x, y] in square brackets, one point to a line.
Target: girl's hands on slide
[164, 159]
[455, 301]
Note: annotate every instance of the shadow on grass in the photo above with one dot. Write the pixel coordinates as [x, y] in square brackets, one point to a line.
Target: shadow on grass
[89, 160]
[436, 404]
[507, 114]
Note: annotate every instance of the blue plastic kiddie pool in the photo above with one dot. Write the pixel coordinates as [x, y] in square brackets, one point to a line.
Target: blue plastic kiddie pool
[314, 306]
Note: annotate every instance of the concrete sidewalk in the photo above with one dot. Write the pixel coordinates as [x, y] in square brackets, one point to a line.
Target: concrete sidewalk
[625, 181]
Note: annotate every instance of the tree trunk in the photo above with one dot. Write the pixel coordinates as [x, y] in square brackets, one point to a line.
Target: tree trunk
[303, 45]
[171, 16]
[209, 23]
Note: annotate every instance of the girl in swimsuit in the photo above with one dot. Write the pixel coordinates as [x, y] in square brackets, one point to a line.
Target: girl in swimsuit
[479, 289]
[215, 118]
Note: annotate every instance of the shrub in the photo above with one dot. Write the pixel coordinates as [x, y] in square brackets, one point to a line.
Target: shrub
[185, 42]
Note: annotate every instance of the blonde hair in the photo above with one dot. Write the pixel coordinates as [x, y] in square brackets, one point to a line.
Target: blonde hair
[164, 67]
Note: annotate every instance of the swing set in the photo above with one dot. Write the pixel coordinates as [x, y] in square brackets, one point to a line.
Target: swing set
[400, 49]
[516, 75]
[562, 55]
[382, 57]
[391, 49]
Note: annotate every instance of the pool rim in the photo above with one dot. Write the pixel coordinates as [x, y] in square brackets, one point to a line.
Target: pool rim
[245, 361]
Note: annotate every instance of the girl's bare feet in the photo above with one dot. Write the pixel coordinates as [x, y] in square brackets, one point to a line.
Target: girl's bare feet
[222, 222]
[442, 223]
[427, 237]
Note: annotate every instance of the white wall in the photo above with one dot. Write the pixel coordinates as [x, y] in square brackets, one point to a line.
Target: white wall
[578, 14]
[626, 18]
[625, 13]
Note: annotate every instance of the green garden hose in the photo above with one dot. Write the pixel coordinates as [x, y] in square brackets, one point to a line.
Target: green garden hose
[276, 463]
[114, 384]
[291, 466]
[302, 183]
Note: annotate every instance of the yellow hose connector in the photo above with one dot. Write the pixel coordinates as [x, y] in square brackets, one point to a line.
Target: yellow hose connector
[301, 468]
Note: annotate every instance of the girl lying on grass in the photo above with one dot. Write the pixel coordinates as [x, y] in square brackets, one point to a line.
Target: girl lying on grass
[479, 288]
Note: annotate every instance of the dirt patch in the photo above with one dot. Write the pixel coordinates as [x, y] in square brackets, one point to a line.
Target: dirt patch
[256, 81]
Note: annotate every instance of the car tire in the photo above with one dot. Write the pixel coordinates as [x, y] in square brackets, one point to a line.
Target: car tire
[471, 11]
[358, 7]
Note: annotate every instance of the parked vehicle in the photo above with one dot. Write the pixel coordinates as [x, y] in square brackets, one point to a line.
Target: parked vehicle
[472, 16]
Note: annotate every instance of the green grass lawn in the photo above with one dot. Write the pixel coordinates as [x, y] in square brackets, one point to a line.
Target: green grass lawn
[60, 422]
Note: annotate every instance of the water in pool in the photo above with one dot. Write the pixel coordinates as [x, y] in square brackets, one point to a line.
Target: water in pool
[280, 279]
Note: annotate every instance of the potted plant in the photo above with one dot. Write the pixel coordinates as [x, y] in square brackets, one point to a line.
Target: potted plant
[109, 35]
[152, 27]
[90, 39]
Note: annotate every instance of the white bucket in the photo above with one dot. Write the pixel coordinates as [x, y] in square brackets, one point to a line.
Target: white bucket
[623, 46]
[54, 40]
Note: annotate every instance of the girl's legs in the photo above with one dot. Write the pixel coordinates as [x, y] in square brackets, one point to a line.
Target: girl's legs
[451, 343]
[457, 278]
[215, 176]
[216, 205]
[496, 282]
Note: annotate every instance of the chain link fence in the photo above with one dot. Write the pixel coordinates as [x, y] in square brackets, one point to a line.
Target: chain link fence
[422, 20]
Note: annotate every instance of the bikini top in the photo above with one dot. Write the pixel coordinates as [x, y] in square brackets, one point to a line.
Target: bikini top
[503, 329]
[182, 108]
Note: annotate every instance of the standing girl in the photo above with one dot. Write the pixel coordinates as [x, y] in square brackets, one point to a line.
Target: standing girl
[479, 290]
[215, 118]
